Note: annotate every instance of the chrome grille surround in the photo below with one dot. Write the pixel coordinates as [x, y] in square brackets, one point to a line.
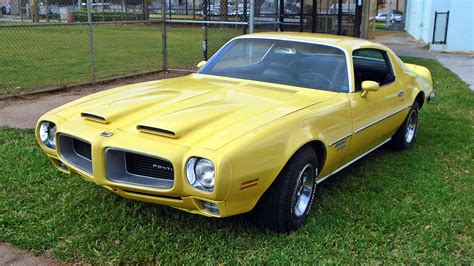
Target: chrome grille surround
[76, 152]
[128, 167]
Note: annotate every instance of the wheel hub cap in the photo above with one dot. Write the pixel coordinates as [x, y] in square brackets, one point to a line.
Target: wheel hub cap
[411, 127]
[304, 190]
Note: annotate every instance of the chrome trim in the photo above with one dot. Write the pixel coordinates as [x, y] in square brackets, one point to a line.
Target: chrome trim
[343, 138]
[116, 170]
[349, 163]
[68, 154]
[431, 96]
[381, 119]
[304, 191]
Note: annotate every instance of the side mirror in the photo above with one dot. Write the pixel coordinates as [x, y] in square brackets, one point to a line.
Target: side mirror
[369, 86]
[201, 64]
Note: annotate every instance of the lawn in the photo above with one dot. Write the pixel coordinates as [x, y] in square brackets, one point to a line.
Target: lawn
[379, 25]
[393, 207]
[35, 57]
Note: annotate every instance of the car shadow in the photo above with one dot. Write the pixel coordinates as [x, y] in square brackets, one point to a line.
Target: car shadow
[239, 224]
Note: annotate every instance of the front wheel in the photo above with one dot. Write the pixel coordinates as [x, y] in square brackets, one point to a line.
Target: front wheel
[285, 206]
[406, 134]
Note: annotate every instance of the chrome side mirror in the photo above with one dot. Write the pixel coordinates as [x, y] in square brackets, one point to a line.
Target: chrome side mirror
[369, 86]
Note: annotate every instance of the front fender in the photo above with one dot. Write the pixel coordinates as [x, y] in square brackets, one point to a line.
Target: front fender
[258, 157]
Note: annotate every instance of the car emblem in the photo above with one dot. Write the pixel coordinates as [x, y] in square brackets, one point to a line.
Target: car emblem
[161, 167]
[106, 134]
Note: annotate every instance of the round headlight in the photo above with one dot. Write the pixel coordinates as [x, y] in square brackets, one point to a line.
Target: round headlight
[47, 134]
[200, 173]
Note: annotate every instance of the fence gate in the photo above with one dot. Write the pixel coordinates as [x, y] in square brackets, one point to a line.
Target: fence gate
[440, 29]
[342, 17]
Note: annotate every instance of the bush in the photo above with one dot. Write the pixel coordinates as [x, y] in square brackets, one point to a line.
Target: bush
[81, 16]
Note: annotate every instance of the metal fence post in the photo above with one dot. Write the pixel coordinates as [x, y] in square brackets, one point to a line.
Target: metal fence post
[314, 21]
[245, 16]
[277, 17]
[252, 16]
[301, 14]
[205, 12]
[281, 16]
[164, 38]
[91, 40]
[339, 18]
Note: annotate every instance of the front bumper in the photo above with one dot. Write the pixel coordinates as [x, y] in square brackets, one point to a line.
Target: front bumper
[180, 195]
[192, 204]
[431, 96]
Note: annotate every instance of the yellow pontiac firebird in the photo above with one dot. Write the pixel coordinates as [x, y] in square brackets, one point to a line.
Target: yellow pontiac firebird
[265, 120]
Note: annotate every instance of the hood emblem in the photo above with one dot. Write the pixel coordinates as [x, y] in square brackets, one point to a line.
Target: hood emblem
[106, 134]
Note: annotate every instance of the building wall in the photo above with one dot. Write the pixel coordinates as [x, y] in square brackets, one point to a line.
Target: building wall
[461, 26]
[420, 17]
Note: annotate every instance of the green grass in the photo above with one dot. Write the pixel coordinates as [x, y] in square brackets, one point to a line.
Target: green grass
[32, 58]
[394, 207]
[379, 25]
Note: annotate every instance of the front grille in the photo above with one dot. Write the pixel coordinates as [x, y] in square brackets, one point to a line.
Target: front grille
[75, 151]
[138, 164]
[138, 169]
[82, 148]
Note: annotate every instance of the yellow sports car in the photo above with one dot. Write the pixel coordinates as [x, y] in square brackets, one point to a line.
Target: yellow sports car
[265, 120]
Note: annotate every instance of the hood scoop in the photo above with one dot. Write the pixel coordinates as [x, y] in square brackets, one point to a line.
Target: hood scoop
[157, 131]
[180, 122]
[95, 118]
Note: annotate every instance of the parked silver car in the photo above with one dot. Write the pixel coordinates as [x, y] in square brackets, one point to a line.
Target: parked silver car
[395, 16]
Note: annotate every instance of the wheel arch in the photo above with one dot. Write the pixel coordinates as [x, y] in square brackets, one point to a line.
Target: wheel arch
[320, 149]
[420, 99]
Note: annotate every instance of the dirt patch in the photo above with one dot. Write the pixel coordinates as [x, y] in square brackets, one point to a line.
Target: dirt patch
[10, 255]
[24, 111]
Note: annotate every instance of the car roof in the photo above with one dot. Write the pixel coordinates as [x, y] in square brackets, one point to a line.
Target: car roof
[347, 43]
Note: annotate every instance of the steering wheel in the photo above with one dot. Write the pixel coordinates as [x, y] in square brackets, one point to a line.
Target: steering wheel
[317, 79]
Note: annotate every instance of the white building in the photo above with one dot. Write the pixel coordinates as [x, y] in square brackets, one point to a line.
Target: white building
[454, 28]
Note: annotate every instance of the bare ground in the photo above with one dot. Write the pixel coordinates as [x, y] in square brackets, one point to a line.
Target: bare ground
[24, 111]
[10, 255]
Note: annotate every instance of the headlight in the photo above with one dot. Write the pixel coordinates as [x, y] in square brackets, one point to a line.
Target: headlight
[200, 173]
[47, 134]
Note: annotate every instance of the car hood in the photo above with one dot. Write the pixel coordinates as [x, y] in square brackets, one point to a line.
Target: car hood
[195, 110]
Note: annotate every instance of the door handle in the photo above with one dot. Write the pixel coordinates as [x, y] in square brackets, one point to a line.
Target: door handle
[400, 94]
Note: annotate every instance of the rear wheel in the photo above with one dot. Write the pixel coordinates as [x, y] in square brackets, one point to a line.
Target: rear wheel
[406, 134]
[285, 206]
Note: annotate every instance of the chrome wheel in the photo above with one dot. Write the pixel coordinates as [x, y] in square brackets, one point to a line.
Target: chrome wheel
[304, 190]
[411, 126]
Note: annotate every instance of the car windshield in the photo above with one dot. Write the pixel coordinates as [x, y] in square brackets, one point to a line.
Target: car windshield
[301, 64]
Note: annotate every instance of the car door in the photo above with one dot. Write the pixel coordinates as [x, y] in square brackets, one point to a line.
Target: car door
[376, 116]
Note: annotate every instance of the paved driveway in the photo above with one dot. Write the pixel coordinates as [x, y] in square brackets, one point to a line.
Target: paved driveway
[461, 64]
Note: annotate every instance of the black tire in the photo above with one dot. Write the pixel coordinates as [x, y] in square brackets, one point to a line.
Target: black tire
[276, 209]
[401, 140]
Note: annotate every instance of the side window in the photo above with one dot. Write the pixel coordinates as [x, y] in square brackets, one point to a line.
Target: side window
[372, 64]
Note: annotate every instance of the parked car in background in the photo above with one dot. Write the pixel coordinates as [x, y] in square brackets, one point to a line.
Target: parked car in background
[265, 120]
[395, 16]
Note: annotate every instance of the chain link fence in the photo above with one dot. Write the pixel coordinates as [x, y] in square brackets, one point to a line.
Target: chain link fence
[61, 42]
